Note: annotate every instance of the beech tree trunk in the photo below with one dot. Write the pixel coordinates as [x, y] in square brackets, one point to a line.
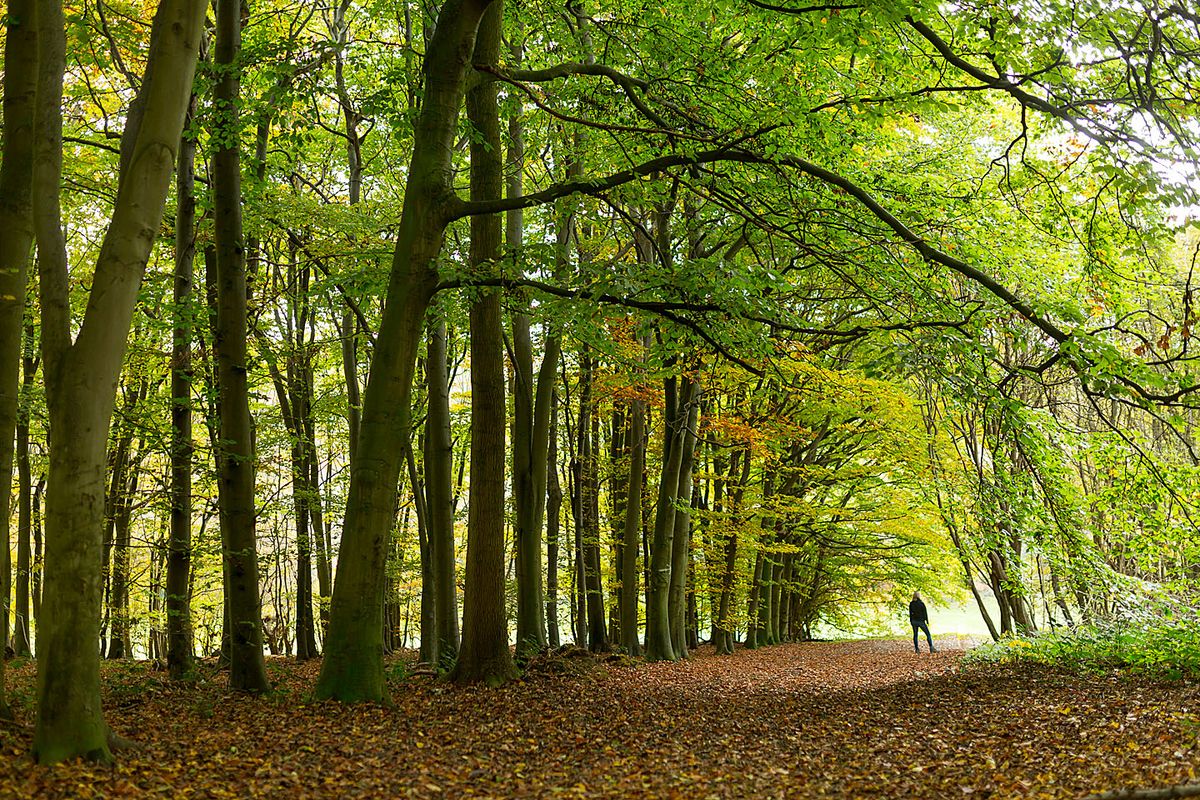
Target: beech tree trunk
[681, 539]
[531, 429]
[485, 656]
[439, 496]
[81, 376]
[180, 656]
[588, 500]
[235, 452]
[22, 641]
[632, 533]
[659, 646]
[723, 633]
[554, 498]
[16, 239]
[353, 666]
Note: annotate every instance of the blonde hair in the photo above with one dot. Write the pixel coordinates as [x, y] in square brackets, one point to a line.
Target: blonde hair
[916, 595]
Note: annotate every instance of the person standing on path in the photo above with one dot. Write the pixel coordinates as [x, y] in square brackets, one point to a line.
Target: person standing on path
[918, 615]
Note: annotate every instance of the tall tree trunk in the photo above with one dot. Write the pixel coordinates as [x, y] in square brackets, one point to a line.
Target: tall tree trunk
[180, 655]
[632, 532]
[120, 645]
[681, 539]
[754, 602]
[588, 434]
[22, 642]
[353, 666]
[428, 652]
[235, 454]
[578, 573]
[659, 645]
[300, 389]
[81, 376]
[320, 531]
[340, 33]
[723, 633]
[531, 424]
[38, 561]
[116, 540]
[21, 76]
[554, 497]
[439, 493]
[485, 656]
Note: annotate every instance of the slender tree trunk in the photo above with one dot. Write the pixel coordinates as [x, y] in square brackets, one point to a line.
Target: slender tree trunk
[22, 640]
[235, 455]
[428, 652]
[21, 75]
[659, 645]
[723, 629]
[439, 492]
[633, 528]
[180, 655]
[588, 533]
[527, 498]
[681, 539]
[753, 633]
[121, 645]
[618, 482]
[320, 531]
[554, 497]
[578, 570]
[485, 656]
[117, 536]
[36, 578]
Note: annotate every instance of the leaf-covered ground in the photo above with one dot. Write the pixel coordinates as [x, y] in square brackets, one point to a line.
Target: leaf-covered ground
[808, 720]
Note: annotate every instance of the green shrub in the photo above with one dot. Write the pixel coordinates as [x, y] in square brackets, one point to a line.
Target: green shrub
[1165, 647]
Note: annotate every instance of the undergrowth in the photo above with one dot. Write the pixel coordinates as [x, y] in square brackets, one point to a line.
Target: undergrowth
[1163, 648]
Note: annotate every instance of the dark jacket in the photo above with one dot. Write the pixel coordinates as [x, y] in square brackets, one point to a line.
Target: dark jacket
[917, 612]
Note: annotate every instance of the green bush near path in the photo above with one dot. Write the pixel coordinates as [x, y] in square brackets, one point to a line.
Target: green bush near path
[1167, 648]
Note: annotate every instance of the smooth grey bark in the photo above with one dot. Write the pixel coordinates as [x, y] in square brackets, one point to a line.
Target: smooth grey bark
[180, 655]
[81, 375]
[16, 242]
[235, 452]
[484, 656]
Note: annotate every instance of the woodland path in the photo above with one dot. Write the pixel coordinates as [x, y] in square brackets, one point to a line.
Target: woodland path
[856, 719]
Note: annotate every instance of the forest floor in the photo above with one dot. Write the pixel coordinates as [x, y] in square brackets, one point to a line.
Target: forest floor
[851, 719]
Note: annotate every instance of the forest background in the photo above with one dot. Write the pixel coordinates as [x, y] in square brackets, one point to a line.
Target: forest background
[353, 327]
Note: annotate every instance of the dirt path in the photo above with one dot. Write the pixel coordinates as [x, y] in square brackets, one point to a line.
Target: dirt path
[859, 719]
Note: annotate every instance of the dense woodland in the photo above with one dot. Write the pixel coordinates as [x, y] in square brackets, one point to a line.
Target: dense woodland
[335, 329]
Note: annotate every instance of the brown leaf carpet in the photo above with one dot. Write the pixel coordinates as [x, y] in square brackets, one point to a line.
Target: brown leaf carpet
[854, 719]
